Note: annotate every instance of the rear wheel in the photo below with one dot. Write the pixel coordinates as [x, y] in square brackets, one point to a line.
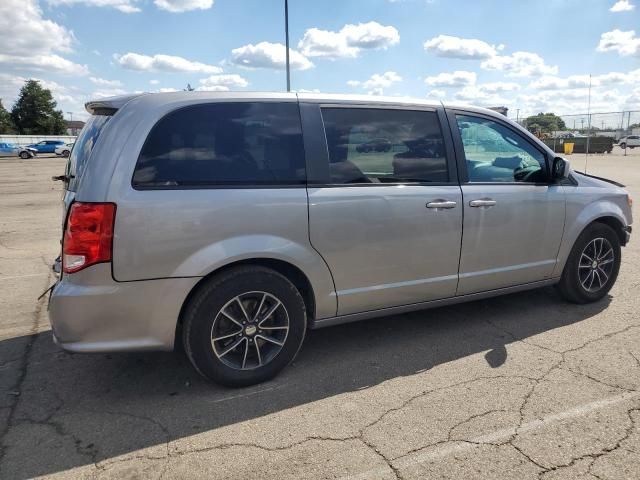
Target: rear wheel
[65, 154]
[243, 326]
[592, 266]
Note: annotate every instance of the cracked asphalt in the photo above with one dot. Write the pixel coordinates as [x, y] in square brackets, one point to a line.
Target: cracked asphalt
[522, 386]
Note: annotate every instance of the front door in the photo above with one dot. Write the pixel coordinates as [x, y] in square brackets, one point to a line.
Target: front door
[386, 212]
[513, 215]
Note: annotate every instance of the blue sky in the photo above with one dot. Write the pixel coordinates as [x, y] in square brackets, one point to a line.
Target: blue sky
[531, 56]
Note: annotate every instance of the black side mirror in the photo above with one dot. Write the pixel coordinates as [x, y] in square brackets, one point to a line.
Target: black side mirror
[560, 168]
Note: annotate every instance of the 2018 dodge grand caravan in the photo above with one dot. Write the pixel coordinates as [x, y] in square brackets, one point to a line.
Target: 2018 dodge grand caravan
[234, 222]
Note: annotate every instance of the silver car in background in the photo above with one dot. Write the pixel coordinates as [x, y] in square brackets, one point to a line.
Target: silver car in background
[234, 222]
[13, 150]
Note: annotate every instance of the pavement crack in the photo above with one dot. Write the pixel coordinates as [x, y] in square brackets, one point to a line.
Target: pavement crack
[22, 368]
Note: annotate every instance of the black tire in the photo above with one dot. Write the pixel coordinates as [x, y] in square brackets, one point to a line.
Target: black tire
[65, 154]
[623, 145]
[571, 284]
[24, 155]
[205, 308]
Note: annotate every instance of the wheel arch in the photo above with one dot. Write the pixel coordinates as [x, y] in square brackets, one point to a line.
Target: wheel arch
[288, 270]
[615, 224]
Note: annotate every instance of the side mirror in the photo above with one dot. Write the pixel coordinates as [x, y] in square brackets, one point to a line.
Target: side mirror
[560, 168]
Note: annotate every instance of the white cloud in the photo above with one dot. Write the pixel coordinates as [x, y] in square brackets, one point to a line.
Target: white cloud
[349, 41]
[108, 92]
[479, 95]
[30, 42]
[154, 82]
[43, 63]
[124, 6]
[625, 43]
[459, 78]
[582, 81]
[177, 6]
[105, 83]
[269, 55]
[163, 63]
[622, 6]
[520, 64]
[221, 83]
[377, 82]
[456, 47]
[305, 90]
[436, 93]
[499, 87]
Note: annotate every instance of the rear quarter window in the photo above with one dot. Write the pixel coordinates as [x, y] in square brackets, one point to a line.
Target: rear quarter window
[224, 144]
[83, 147]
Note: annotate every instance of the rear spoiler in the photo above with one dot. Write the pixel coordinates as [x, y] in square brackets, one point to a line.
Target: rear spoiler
[109, 105]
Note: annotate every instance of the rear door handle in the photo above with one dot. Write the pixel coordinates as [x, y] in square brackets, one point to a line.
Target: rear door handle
[483, 202]
[442, 204]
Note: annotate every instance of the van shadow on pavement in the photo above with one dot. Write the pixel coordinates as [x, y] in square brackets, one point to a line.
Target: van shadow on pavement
[75, 410]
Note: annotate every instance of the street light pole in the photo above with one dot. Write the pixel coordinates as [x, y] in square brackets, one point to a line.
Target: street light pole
[286, 33]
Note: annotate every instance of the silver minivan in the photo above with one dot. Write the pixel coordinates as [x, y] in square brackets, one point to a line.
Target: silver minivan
[235, 222]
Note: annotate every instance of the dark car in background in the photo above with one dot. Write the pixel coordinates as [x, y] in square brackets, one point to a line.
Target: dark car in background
[46, 146]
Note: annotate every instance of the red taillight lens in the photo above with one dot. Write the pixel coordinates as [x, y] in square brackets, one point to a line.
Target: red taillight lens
[88, 237]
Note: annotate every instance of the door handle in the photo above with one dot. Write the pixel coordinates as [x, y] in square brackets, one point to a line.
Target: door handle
[483, 202]
[442, 204]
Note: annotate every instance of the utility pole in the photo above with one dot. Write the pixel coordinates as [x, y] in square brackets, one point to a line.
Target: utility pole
[286, 34]
[517, 115]
[70, 116]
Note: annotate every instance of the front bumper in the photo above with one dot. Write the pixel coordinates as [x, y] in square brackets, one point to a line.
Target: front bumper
[90, 312]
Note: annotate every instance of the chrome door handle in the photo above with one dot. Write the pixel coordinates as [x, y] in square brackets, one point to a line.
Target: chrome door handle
[483, 202]
[442, 204]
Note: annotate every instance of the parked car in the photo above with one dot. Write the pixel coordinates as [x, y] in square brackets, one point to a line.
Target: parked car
[64, 149]
[13, 150]
[631, 141]
[46, 146]
[233, 222]
[374, 145]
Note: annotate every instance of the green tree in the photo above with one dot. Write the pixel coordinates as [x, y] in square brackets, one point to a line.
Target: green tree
[545, 122]
[34, 113]
[6, 124]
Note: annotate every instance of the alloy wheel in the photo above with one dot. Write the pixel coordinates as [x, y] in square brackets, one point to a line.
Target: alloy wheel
[250, 330]
[596, 264]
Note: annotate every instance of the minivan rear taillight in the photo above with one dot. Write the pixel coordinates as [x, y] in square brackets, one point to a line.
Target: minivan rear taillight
[88, 236]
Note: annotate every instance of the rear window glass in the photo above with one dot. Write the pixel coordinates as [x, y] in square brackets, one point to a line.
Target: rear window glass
[83, 147]
[224, 144]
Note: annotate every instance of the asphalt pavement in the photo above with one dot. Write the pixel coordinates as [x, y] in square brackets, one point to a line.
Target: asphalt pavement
[522, 386]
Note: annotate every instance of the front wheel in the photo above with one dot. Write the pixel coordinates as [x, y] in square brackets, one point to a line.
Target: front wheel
[24, 155]
[623, 145]
[592, 266]
[243, 326]
[65, 154]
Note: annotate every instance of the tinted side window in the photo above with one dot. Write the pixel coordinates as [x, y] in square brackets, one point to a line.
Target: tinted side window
[495, 153]
[224, 144]
[369, 145]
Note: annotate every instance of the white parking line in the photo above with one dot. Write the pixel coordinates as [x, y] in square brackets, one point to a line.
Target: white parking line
[24, 276]
[248, 394]
[498, 435]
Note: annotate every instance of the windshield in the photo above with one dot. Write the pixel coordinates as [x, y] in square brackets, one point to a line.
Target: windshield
[82, 149]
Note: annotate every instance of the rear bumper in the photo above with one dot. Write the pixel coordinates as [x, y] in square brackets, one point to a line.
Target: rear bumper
[90, 312]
